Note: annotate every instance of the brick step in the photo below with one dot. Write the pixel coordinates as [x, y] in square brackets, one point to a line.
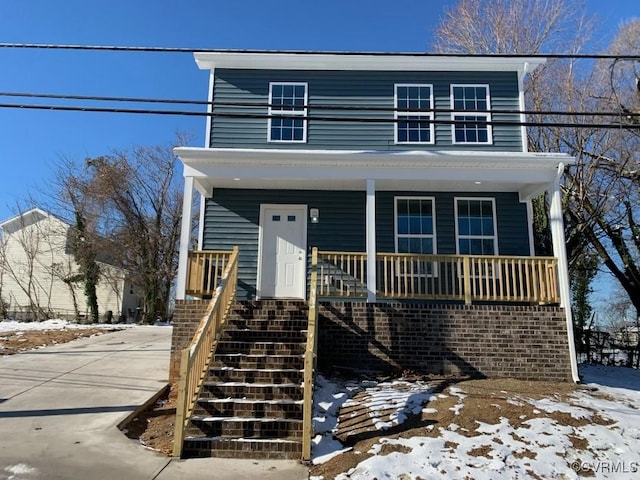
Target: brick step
[234, 427]
[260, 348]
[253, 375]
[258, 391]
[240, 407]
[249, 335]
[244, 360]
[242, 448]
[259, 323]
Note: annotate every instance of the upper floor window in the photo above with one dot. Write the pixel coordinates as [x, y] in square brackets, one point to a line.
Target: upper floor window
[414, 113]
[287, 109]
[476, 226]
[471, 105]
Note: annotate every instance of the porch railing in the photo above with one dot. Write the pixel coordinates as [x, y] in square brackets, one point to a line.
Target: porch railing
[196, 357]
[465, 278]
[204, 271]
[310, 360]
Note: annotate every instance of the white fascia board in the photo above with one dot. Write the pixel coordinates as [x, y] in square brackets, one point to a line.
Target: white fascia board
[514, 167]
[362, 61]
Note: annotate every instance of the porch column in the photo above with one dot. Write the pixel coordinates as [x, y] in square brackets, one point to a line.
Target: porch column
[185, 238]
[560, 252]
[371, 240]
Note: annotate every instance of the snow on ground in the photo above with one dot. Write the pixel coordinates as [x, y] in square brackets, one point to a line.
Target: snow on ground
[596, 433]
[58, 324]
[53, 324]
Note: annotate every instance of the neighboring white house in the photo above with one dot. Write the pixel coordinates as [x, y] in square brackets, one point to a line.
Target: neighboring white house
[39, 276]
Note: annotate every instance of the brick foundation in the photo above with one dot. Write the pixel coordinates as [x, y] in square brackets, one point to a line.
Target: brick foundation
[525, 342]
[186, 318]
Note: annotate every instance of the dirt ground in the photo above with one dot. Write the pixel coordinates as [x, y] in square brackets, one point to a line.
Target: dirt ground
[486, 401]
[16, 342]
[154, 426]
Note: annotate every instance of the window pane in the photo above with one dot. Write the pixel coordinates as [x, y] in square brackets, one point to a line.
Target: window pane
[415, 245]
[487, 247]
[291, 218]
[403, 206]
[475, 226]
[427, 225]
[463, 246]
[414, 225]
[487, 226]
[463, 226]
[475, 246]
[474, 208]
[403, 245]
[414, 207]
[403, 225]
[275, 218]
[427, 246]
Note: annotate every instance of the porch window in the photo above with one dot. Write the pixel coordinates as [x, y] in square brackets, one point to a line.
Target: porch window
[414, 113]
[415, 225]
[287, 109]
[476, 226]
[471, 104]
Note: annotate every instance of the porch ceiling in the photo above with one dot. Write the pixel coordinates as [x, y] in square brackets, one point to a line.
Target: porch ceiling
[527, 173]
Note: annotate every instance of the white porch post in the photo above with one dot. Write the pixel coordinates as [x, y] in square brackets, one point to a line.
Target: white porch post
[185, 238]
[371, 240]
[560, 252]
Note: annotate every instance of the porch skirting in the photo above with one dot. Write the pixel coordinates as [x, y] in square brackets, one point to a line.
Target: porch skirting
[524, 342]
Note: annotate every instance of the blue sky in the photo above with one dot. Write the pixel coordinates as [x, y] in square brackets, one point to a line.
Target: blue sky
[32, 142]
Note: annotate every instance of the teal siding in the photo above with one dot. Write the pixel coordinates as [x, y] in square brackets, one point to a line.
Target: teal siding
[349, 88]
[232, 218]
[511, 218]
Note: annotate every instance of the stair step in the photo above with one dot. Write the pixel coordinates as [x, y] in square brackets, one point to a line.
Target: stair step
[244, 360]
[259, 391]
[293, 324]
[240, 407]
[253, 375]
[272, 448]
[260, 348]
[277, 336]
[246, 427]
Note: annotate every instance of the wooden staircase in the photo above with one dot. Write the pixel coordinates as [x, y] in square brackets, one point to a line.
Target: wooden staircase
[251, 402]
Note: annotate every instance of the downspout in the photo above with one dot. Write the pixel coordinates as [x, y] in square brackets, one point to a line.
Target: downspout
[560, 252]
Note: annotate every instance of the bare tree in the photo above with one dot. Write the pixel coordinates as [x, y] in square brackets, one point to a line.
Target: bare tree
[508, 26]
[132, 203]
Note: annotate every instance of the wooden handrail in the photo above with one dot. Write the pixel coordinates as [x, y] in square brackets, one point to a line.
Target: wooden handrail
[310, 359]
[205, 269]
[465, 278]
[196, 357]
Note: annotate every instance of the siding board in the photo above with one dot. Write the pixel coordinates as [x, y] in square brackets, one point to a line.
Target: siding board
[349, 88]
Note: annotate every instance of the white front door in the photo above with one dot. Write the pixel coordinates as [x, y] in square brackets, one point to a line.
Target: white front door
[283, 247]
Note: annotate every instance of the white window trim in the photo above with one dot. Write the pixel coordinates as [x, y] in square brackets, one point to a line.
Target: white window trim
[296, 113]
[413, 114]
[495, 223]
[434, 235]
[471, 112]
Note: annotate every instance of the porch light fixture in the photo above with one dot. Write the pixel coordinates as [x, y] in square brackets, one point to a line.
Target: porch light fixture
[314, 213]
[478, 182]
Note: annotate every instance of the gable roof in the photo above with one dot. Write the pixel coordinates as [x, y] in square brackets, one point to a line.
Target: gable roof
[26, 218]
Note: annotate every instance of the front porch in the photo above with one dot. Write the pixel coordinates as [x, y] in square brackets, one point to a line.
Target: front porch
[451, 278]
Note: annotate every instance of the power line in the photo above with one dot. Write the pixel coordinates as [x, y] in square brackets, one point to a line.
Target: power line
[305, 52]
[318, 118]
[372, 108]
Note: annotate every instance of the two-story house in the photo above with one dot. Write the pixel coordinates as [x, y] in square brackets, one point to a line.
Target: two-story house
[404, 182]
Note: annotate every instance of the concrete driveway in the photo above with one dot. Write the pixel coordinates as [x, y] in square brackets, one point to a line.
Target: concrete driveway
[59, 407]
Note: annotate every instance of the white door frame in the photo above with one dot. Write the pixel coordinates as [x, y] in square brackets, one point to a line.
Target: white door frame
[303, 210]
